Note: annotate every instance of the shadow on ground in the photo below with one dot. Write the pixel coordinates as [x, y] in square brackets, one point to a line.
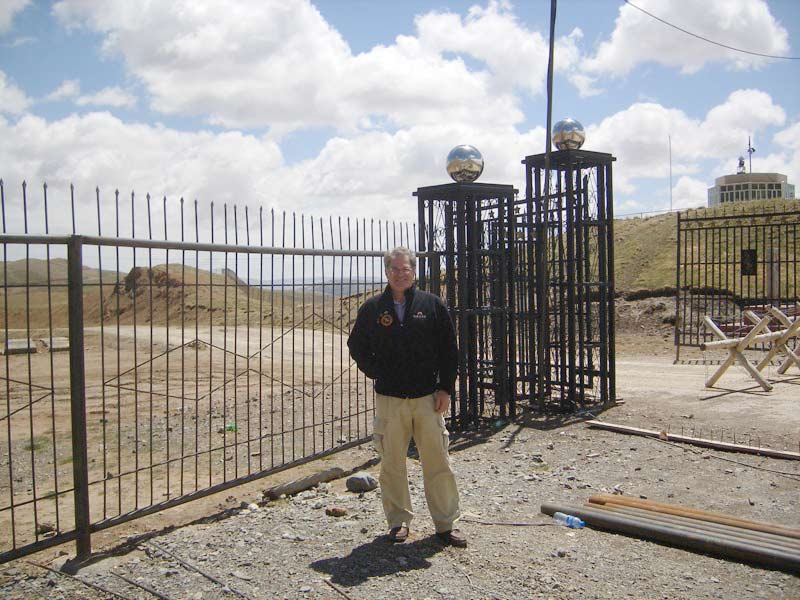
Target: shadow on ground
[379, 558]
[526, 418]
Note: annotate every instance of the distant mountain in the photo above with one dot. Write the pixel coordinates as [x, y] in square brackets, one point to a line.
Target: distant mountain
[36, 272]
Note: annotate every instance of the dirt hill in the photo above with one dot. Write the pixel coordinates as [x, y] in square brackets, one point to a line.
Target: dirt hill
[644, 248]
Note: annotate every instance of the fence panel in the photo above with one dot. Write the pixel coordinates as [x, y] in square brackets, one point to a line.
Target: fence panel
[206, 364]
[742, 257]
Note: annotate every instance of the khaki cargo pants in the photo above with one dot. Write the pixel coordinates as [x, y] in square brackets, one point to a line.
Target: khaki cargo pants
[397, 420]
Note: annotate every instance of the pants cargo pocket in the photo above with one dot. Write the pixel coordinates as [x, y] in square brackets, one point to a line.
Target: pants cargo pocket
[445, 434]
[378, 430]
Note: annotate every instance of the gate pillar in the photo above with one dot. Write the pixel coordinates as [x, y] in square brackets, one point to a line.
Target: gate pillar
[466, 256]
[574, 270]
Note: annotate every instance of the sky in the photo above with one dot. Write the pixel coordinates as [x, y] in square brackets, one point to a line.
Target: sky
[345, 107]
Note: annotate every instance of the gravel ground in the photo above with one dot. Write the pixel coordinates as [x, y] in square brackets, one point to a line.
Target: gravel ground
[290, 548]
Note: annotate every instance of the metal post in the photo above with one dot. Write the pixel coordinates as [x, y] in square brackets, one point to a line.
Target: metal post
[77, 384]
[678, 289]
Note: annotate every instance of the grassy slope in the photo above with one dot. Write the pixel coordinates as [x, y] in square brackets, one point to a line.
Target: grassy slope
[644, 248]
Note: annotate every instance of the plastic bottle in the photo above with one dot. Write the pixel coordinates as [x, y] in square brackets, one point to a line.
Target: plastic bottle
[568, 520]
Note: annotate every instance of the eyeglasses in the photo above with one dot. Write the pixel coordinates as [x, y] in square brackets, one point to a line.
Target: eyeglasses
[400, 270]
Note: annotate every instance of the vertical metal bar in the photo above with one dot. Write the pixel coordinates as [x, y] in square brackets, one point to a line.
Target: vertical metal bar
[182, 296]
[303, 334]
[150, 279]
[294, 330]
[225, 349]
[119, 358]
[72, 204]
[283, 337]
[52, 366]
[235, 377]
[167, 428]
[570, 205]
[261, 339]
[348, 313]
[103, 420]
[342, 330]
[678, 273]
[606, 264]
[581, 259]
[464, 344]
[610, 275]
[31, 440]
[508, 266]
[422, 265]
[12, 506]
[247, 354]
[134, 293]
[196, 398]
[313, 342]
[77, 384]
[211, 353]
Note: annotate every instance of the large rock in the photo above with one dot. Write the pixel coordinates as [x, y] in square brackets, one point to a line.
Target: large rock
[361, 482]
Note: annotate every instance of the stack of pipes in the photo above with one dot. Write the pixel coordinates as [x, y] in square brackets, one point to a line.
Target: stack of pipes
[700, 530]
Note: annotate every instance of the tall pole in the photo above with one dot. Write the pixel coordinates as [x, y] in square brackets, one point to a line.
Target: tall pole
[670, 172]
[550, 96]
[750, 151]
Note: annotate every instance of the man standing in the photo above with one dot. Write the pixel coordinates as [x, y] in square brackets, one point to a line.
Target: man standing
[404, 339]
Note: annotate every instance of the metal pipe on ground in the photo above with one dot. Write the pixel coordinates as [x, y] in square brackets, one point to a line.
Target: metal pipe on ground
[694, 513]
[693, 528]
[746, 535]
[703, 542]
[685, 439]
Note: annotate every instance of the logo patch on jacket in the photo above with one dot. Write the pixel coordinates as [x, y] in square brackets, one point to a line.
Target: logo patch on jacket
[419, 315]
[386, 319]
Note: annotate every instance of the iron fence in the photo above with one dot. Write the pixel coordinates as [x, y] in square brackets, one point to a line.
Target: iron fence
[732, 259]
[189, 366]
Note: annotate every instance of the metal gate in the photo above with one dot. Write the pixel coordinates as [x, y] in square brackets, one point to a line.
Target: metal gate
[530, 284]
[743, 256]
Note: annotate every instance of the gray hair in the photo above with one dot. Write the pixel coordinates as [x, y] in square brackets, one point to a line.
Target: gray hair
[400, 251]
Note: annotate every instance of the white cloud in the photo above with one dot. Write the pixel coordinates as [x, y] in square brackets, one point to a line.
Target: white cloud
[110, 96]
[373, 173]
[513, 54]
[689, 193]
[8, 10]
[638, 38]
[638, 135]
[786, 158]
[98, 149]
[69, 88]
[279, 64]
[12, 99]
[789, 137]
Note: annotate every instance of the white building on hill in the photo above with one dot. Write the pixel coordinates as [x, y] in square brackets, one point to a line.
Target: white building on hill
[742, 187]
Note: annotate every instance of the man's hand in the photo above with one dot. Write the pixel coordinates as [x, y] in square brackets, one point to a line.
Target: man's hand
[441, 401]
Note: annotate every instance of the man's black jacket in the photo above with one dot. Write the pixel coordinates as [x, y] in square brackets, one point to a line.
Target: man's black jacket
[406, 359]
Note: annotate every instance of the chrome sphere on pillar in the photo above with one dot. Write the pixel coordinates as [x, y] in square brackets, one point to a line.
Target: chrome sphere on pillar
[568, 134]
[464, 164]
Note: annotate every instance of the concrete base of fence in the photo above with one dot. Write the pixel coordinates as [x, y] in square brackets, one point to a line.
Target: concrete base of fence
[18, 347]
[23, 346]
